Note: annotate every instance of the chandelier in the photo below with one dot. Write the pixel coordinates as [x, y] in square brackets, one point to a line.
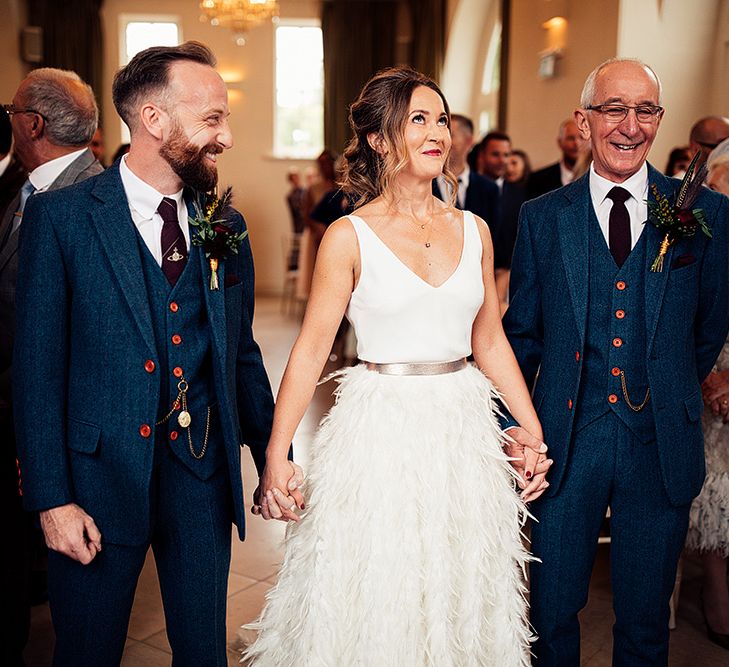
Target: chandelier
[238, 15]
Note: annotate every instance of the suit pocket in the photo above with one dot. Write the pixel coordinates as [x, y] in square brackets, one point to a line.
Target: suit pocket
[82, 436]
[694, 406]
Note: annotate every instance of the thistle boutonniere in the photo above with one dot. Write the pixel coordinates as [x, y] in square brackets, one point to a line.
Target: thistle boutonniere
[215, 234]
[678, 220]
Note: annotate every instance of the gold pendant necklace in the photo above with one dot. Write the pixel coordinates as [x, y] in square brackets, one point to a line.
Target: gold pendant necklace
[423, 225]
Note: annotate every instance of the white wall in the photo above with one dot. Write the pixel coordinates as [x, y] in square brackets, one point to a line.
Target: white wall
[678, 39]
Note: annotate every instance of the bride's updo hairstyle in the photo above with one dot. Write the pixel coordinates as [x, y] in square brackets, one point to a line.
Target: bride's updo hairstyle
[382, 110]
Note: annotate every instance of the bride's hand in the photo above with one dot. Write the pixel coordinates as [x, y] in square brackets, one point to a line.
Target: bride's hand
[270, 501]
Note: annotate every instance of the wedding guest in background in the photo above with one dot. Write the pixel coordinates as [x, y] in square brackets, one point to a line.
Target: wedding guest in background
[518, 168]
[12, 173]
[97, 145]
[295, 200]
[618, 352]
[706, 134]
[54, 116]
[562, 172]
[584, 160]
[678, 160]
[122, 150]
[475, 192]
[149, 379]
[709, 520]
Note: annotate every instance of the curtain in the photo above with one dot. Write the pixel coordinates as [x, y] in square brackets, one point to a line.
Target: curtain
[429, 36]
[72, 37]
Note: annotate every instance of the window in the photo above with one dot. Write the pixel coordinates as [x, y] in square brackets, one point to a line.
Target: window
[299, 111]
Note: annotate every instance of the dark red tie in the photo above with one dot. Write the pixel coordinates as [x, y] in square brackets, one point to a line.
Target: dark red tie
[174, 248]
[619, 225]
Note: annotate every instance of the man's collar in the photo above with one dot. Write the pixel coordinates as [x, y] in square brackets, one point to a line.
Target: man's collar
[43, 175]
[636, 185]
[142, 197]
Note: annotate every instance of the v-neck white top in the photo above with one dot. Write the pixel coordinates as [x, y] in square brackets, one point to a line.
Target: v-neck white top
[400, 318]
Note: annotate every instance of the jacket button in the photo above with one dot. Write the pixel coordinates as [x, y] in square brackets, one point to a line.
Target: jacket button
[176, 339]
[577, 355]
[149, 366]
[177, 372]
[620, 285]
[173, 435]
[613, 398]
[617, 342]
[620, 314]
[615, 371]
[569, 403]
[145, 431]
[174, 307]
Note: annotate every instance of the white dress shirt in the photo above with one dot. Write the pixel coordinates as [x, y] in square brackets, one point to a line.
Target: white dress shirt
[462, 178]
[637, 186]
[41, 177]
[144, 201]
[566, 175]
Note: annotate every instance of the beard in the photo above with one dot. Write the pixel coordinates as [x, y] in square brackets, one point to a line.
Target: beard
[189, 162]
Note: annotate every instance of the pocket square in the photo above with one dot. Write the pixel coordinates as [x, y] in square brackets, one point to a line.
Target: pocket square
[683, 260]
[231, 280]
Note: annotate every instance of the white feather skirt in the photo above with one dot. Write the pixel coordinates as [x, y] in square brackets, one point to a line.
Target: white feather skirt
[410, 550]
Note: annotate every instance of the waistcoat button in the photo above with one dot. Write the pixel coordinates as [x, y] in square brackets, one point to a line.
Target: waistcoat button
[145, 431]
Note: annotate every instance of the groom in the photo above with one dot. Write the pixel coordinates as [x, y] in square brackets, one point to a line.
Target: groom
[135, 381]
[620, 352]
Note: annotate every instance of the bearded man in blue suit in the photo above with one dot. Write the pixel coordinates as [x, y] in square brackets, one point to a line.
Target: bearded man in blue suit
[136, 382]
[618, 353]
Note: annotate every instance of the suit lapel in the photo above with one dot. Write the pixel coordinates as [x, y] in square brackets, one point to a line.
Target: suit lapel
[118, 238]
[8, 238]
[655, 282]
[573, 237]
[214, 299]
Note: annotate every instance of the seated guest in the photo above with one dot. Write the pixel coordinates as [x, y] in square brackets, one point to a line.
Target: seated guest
[678, 161]
[295, 200]
[560, 173]
[12, 173]
[518, 167]
[54, 117]
[707, 133]
[709, 519]
[475, 193]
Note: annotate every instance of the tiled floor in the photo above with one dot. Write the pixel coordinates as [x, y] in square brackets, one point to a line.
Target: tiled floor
[254, 564]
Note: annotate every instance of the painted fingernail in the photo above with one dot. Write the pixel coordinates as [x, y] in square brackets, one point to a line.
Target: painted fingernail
[528, 474]
[543, 448]
[302, 506]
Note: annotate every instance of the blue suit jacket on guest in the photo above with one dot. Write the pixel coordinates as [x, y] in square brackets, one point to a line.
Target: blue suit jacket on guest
[482, 198]
[84, 332]
[686, 320]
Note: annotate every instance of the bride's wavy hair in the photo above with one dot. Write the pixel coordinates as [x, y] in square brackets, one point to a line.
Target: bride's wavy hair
[382, 109]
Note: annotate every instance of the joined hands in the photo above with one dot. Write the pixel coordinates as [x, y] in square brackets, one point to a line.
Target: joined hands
[530, 461]
[270, 501]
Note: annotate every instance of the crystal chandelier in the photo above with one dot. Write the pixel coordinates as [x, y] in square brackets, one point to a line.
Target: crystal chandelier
[238, 15]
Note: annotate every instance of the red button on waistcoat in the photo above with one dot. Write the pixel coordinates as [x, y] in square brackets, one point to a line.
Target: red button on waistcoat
[145, 431]
[173, 435]
[177, 372]
[613, 398]
[176, 339]
[617, 342]
[149, 366]
[620, 314]
[620, 285]
[569, 403]
[174, 307]
[615, 371]
[577, 355]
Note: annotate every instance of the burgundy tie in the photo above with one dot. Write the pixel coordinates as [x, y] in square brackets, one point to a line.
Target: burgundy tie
[174, 248]
[619, 225]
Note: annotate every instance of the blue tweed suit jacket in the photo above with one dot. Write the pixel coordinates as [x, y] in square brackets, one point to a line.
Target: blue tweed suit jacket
[84, 332]
[686, 319]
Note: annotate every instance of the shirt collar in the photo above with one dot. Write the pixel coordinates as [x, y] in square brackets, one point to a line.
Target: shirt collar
[465, 175]
[42, 176]
[636, 185]
[142, 197]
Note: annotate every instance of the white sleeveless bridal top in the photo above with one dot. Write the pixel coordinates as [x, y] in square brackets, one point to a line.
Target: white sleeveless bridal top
[400, 318]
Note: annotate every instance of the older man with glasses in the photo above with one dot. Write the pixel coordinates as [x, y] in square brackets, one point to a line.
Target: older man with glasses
[621, 350]
[53, 116]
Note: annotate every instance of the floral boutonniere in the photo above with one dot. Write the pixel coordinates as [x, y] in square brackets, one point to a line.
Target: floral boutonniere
[214, 233]
[678, 220]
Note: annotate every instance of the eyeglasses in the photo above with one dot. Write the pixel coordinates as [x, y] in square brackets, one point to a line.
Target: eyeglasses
[616, 113]
[11, 109]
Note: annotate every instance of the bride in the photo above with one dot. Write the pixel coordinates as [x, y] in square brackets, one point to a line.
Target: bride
[409, 549]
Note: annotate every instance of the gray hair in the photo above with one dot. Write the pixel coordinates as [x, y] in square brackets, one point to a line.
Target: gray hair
[719, 156]
[587, 98]
[65, 102]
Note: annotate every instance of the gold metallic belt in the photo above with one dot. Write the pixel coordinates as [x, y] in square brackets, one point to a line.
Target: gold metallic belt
[434, 368]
